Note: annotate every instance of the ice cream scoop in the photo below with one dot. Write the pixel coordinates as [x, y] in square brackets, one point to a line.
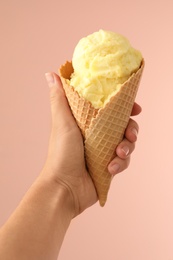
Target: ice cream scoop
[102, 62]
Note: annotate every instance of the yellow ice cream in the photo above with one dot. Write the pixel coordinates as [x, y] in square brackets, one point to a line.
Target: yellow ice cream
[102, 62]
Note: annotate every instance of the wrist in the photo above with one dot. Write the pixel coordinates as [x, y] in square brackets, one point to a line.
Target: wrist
[60, 195]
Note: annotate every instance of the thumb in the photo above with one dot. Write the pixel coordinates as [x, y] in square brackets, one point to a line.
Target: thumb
[61, 114]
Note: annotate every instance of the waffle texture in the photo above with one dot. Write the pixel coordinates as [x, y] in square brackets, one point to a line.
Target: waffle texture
[103, 129]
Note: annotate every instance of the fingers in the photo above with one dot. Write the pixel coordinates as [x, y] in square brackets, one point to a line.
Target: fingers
[61, 113]
[132, 130]
[122, 160]
[118, 165]
[124, 149]
[136, 109]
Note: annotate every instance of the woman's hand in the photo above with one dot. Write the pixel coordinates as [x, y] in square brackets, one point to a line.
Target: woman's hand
[64, 188]
[65, 162]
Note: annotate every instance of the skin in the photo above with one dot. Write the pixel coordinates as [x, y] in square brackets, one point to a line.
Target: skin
[63, 189]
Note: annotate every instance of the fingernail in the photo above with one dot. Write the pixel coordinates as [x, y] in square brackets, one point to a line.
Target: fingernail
[115, 168]
[50, 79]
[125, 150]
[134, 131]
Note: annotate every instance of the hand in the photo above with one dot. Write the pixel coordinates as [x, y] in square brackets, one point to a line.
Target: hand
[127, 146]
[65, 162]
[63, 189]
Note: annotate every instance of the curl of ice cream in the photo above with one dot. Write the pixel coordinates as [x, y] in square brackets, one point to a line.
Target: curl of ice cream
[102, 62]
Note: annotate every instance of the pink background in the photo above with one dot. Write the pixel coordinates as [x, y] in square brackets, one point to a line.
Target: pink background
[38, 36]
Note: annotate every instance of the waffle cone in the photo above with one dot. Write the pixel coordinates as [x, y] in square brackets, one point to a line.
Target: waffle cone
[103, 129]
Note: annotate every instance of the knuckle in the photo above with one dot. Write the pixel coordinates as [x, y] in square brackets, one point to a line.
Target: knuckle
[126, 163]
[53, 95]
[132, 147]
[133, 124]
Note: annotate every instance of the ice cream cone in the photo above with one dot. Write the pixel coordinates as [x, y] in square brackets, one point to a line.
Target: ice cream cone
[82, 110]
[103, 129]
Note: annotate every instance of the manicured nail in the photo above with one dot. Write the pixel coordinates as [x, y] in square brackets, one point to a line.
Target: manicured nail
[50, 79]
[115, 168]
[134, 131]
[125, 150]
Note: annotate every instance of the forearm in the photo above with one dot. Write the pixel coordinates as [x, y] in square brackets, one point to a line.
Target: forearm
[37, 227]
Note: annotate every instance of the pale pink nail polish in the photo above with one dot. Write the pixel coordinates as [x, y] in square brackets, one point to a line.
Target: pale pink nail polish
[125, 150]
[115, 168]
[134, 131]
[50, 79]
